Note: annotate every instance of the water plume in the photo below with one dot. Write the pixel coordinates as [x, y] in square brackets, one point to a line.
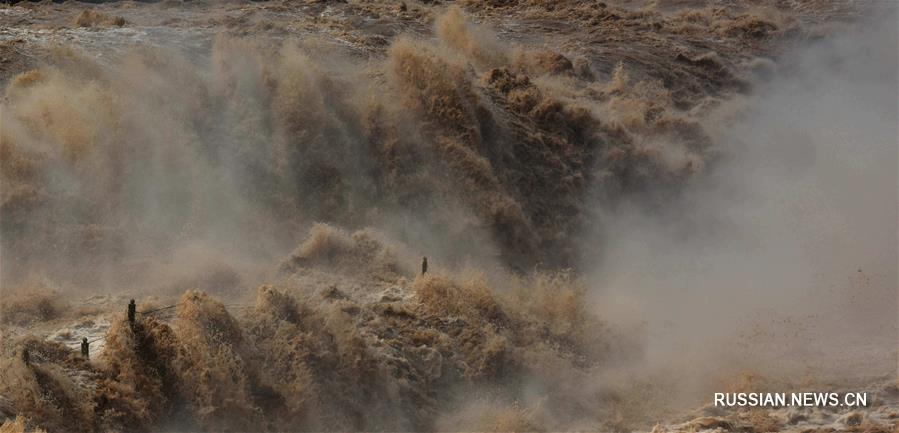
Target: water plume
[280, 192]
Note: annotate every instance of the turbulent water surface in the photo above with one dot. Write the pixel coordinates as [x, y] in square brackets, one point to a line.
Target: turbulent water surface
[625, 207]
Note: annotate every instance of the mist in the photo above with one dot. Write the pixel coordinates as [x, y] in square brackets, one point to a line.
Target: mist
[783, 257]
[670, 200]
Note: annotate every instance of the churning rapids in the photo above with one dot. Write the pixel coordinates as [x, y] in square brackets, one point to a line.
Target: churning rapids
[625, 207]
